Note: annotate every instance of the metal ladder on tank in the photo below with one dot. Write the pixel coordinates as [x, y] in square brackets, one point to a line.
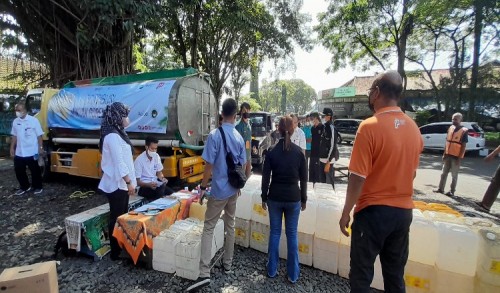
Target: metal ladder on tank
[205, 114]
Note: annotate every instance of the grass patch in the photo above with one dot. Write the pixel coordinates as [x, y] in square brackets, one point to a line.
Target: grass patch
[492, 135]
[492, 138]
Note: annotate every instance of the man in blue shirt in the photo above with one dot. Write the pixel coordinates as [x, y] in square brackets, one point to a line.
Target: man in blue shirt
[223, 196]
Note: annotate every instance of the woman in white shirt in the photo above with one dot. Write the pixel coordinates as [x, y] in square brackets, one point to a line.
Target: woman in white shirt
[118, 179]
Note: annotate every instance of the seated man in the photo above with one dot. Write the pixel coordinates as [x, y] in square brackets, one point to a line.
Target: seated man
[148, 169]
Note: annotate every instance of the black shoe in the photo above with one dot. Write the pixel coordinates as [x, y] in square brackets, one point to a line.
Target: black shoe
[198, 284]
[482, 207]
[438, 191]
[450, 194]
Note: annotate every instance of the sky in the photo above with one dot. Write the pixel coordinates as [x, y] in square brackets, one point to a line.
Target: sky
[311, 66]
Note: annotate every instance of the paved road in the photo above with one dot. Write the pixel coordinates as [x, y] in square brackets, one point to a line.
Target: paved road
[473, 179]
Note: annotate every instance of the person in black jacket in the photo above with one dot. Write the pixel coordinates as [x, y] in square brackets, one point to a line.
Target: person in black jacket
[328, 148]
[286, 164]
[316, 173]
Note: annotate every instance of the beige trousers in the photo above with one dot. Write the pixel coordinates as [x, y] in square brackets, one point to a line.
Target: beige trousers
[212, 215]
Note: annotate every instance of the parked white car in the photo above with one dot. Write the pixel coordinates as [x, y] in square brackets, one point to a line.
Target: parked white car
[434, 135]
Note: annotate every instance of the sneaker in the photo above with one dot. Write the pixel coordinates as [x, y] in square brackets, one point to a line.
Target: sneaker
[198, 284]
[449, 193]
[438, 191]
[290, 280]
[38, 191]
[227, 271]
[21, 192]
[272, 277]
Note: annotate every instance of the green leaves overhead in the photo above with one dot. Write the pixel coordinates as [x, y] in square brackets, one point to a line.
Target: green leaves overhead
[78, 39]
[223, 36]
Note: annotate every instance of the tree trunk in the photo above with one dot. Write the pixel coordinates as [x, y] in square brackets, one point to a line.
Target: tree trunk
[194, 35]
[406, 30]
[478, 27]
[254, 79]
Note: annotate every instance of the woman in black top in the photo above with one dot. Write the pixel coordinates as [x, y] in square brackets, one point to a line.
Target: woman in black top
[287, 165]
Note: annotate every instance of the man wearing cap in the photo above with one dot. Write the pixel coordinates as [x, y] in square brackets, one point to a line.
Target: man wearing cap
[328, 148]
[245, 129]
[316, 174]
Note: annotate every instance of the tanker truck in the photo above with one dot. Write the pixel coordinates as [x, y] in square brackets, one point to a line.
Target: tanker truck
[178, 107]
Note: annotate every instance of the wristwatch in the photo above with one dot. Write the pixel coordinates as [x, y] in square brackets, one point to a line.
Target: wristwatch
[128, 183]
[203, 187]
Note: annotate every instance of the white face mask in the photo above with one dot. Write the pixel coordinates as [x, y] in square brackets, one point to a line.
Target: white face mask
[19, 114]
[151, 152]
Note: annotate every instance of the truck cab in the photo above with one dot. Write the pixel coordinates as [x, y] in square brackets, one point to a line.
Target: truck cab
[262, 126]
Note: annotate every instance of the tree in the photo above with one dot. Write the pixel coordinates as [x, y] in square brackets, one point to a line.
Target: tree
[254, 105]
[290, 21]
[367, 33]
[77, 39]
[219, 36]
[434, 19]
[299, 96]
[486, 12]
[450, 23]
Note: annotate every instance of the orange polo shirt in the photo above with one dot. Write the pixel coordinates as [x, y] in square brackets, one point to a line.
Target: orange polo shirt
[386, 153]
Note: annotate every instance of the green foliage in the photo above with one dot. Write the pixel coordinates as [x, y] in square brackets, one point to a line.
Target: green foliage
[360, 33]
[221, 36]
[299, 96]
[254, 105]
[76, 39]
[422, 117]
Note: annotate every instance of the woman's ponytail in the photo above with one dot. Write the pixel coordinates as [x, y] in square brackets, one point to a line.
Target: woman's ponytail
[285, 128]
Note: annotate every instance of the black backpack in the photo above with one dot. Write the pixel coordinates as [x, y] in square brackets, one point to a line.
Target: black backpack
[235, 172]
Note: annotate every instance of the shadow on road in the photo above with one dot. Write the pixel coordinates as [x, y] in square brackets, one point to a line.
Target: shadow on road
[470, 165]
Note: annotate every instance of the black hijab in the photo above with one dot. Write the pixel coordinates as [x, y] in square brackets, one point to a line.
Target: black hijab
[112, 122]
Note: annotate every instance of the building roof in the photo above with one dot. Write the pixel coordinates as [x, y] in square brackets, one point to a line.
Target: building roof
[416, 80]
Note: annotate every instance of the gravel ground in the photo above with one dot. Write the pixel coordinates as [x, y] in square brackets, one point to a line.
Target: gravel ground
[31, 225]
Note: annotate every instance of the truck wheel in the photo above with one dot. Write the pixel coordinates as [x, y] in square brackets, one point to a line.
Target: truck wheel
[339, 139]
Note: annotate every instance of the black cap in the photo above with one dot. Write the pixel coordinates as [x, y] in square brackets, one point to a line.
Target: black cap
[314, 115]
[327, 112]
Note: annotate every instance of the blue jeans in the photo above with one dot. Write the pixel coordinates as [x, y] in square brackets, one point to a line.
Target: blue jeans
[291, 210]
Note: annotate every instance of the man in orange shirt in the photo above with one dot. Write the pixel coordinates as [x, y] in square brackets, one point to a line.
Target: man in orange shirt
[384, 161]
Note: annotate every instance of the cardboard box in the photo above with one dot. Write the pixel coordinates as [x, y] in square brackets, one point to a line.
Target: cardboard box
[36, 278]
[94, 225]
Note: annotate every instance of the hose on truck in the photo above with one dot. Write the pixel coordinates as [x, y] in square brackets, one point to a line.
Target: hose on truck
[191, 147]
